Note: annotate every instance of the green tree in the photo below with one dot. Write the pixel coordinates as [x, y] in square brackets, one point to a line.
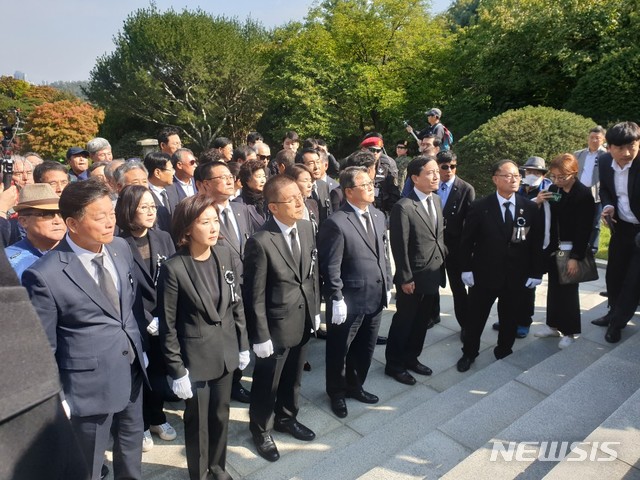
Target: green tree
[188, 69]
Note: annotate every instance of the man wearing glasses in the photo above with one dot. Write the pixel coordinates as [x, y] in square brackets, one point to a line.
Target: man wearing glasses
[184, 164]
[500, 258]
[53, 173]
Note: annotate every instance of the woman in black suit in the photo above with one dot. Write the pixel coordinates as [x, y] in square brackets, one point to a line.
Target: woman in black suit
[253, 177]
[135, 217]
[571, 223]
[202, 332]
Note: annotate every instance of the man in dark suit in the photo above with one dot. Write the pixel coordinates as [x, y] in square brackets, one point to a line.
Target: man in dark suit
[500, 257]
[357, 281]
[620, 196]
[184, 164]
[417, 242]
[87, 300]
[282, 300]
[320, 190]
[160, 170]
[456, 196]
[215, 179]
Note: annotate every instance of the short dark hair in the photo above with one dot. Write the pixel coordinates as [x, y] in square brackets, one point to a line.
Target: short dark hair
[285, 157]
[241, 153]
[291, 135]
[310, 143]
[156, 160]
[598, 129]
[95, 165]
[47, 166]
[186, 213]
[495, 168]
[623, 133]
[348, 176]
[417, 164]
[361, 158]
[446, 156]
[177, 156]
[247, 169]
[300, 158]
[253, 137]
[165, 133]
[128, 201]
[75, 198]
[210, 155]
[234, 168]
[274, 184]
[221, 142]
[436, 141]
[295, 170]
[203, 170]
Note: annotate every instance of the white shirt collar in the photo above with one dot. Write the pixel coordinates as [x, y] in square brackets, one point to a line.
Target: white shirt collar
[502, 200]
[286, 230]
[358, 210]
[421, 195]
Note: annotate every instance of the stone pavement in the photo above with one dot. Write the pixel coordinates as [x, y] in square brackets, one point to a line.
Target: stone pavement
[446, 424]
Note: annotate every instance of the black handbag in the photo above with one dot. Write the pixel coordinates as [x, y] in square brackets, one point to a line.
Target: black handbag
[587, 269]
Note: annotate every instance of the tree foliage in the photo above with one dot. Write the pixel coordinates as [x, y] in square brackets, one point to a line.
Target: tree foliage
[187, 69]
[53, 127]
[517, 135]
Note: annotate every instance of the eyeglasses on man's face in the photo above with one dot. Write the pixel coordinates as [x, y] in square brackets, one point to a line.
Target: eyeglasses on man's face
[297, 199]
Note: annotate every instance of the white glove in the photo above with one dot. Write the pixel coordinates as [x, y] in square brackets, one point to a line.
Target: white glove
[145, 359]
[339, 312]
[182, 387]
[467, 279]
[533, 282]
[67, 409]
[388, 298]
[316, 323]
[243, 359]
[152, 328]
[263, 350]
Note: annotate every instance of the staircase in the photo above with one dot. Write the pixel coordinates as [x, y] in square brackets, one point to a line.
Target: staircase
[446, 425]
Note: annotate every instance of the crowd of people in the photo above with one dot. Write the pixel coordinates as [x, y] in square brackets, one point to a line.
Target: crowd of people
[155, 278]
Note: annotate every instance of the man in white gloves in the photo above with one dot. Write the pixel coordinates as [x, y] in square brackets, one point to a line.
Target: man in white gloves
[501, 257]
[282, 307]
[356, 274]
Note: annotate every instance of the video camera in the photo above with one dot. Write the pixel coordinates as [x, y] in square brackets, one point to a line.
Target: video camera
[8, 134]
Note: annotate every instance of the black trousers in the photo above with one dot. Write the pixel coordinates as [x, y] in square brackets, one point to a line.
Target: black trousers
[481, 299]
[458, 289]
[349, 351]
[276, 388]
[408, 329]
[206, 423]
[524, 318]
[126, 427]
[153, 398]
[563, 303]
[621, 263]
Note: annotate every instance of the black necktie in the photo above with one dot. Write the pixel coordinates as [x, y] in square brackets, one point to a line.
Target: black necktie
[431, 211]
[369, 228]
[508, 219]
[105, 281]
[231, 232]
[295, 248]
[165, 200]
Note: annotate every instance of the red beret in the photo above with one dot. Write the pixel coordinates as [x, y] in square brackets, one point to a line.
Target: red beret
[372, 142]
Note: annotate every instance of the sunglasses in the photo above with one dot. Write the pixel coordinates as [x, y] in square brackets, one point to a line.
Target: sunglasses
[264, 157]
[374, 149]
[190, 162]
[448, 167]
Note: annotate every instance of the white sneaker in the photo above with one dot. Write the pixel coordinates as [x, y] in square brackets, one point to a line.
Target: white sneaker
[547, 331]
[566, 341]
[147, 441]
[164, 431]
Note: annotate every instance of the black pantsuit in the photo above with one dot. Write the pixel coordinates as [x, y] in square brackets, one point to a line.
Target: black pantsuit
[563, 303]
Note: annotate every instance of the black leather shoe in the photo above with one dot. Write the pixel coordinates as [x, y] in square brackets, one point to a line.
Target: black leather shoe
[419, 368]
[321, 334]
[364, 397]
[612, 335]
[104, 471]
[601, 322]
[381, 340]
[496, 326]
[402, 377]
[339, 407]
[266, 447]
[295, 429]
[464, 364]
[240, 394]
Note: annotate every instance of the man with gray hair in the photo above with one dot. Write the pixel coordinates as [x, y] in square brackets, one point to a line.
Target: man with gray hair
[109, 174]
[184, 163]
[99, 150]
[132, 172]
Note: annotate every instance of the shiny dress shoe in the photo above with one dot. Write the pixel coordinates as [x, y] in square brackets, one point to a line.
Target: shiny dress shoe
[339, 407]
[402, 377]
[420, 368]
[240, 394]
[601, 322]
[104, 471]
[464, 364]
[295, 429]
[321, 334]
[266, 447]
[612, 335]
[381, 340]
[362, 396]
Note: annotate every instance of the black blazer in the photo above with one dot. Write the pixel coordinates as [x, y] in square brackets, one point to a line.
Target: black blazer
[195, 333]
[281, 301]
[455, 211]
[176, 190]
[257, 217]
[163, 218]
[324, 200]
[608, 194]
[418, 250]
[488, 252]
[351, 268]
[244, 219]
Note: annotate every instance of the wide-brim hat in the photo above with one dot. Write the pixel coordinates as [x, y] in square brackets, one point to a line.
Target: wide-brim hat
[39, 196]
[535, 163]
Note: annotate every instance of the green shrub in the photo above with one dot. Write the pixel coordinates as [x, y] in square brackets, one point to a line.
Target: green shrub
[518, 135]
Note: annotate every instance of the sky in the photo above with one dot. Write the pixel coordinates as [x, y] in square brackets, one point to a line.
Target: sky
[61, 40]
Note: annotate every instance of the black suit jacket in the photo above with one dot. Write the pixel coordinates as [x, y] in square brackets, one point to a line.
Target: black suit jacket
[177, 190]
[281, 301]
[89, 338]
[418, 250]
[488, 252]
[351, 267]
[572, 219]
[243, 216]
[608, 195]
[324, 200]
[195, 333]
[455, 210]
[163, 218]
